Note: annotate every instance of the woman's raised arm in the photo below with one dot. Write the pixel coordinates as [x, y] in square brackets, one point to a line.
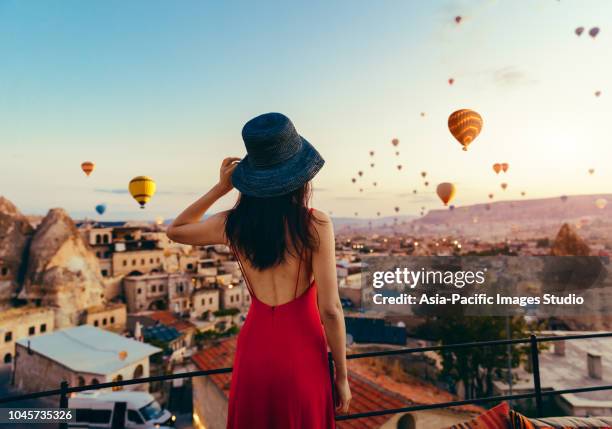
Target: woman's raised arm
[188, 228]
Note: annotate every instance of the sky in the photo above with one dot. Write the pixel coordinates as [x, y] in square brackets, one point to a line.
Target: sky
[163, 88]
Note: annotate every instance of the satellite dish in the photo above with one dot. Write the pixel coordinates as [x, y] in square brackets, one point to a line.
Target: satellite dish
[349, 339]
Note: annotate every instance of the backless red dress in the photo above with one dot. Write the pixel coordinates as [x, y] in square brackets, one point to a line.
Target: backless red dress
[281, 376]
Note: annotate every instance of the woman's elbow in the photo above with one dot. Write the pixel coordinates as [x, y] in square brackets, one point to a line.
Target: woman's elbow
[332, 312]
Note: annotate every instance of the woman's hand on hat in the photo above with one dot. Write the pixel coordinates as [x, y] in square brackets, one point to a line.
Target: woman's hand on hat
[225, 174]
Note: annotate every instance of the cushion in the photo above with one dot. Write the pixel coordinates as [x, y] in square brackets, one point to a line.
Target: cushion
[495, 418]
[518, 421]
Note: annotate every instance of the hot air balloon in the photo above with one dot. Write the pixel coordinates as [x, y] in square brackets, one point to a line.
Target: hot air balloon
[451, 207]
[396, 209]
[399, 167]
[414, 191]
[371, 153]
[451, 81]
[563, 198]
[490, 196]
[395, 142]
[591, 171]
[579, 31]
[426, 183]
[377, 213]
[458, 19]
[88, 167]
[360, 189]
[422, 114]
[372, 164]
[488, 207]
[360, 173]
[601, 203]
[356, 213]
[593, 32]
[446, 192]
[101, 208]
[597, 93]
[505, 166]
[497, 168]
[353, 180]
[142, 188]
[423, 174]
[523, 193]
[504, 186]
[374, 183]
[465, 125]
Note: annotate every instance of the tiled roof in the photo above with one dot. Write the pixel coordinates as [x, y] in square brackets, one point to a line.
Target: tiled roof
[367, 395]
[169, 319]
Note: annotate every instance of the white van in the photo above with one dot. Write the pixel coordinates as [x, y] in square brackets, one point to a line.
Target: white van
[118, 410]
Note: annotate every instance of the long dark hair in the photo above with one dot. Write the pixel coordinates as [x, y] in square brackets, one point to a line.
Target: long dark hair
[266, 230]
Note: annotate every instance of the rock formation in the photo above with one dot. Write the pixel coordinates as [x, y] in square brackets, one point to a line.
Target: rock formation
[62, 271]
[15, 235]
[568, 243]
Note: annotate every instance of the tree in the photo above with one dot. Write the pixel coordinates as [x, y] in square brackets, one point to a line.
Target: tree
[476, 367]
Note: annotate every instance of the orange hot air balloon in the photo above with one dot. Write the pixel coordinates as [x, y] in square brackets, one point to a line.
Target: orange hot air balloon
[395, 142]
[601, 203]
[360, 173]
[497, 168]
[446, 191]
[88, 167]
[505, 166]
[399, 167]
[504, 186]
[465, 125]
[353, 180]
[451, 81]
[423, 174]
[491, 196]
[591, 171]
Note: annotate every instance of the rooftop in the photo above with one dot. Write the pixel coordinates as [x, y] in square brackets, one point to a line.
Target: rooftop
[160, 332]
[16, 312]
[170, 319]
[88, 349]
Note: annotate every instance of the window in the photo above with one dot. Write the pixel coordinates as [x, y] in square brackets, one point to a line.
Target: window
[104, 322]
[142, 261]
[104, 273]
[133, 262]
[96, 323]
[119, 377]
[210, 300]
[203, 301]
[81, 381]
[151, 261]
[98, 239]
[8, 337]
[112, 320]
[133, 416]
[124, 263]
[43, 328]
[95, 381]
[4, 271]
[105, 240]
[139, 291]
[158, 260]
[190, 266]
[31, 330]
[153, 288]
[161, 288]
[231, 298]
[139, 371]
[8, 358]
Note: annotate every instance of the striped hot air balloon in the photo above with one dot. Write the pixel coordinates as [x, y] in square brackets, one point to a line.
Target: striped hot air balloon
[465, 125]
[142, 188]
[88, 167]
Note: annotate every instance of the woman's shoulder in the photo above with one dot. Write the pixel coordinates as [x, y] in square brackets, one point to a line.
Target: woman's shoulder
[320, 220]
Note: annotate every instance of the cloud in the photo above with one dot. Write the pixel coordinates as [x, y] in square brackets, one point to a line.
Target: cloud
[510, 76]
[125, 191]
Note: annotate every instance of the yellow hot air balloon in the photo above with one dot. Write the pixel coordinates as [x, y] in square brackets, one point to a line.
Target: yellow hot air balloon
[465, 125]
[88, 167]
[142, 189]
[446, 191]
[601, 203]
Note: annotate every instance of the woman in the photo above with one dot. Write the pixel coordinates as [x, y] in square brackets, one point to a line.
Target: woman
[286, 252]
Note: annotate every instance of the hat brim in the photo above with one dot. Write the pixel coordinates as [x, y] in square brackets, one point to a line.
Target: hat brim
[281, 178]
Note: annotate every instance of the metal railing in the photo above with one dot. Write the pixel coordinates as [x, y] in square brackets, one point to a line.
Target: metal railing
[538, 394]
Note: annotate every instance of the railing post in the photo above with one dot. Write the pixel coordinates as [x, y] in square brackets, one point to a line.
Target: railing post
[535, 365]
[63, 403]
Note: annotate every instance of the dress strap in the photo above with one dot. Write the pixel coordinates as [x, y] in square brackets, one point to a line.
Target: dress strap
[244, 274]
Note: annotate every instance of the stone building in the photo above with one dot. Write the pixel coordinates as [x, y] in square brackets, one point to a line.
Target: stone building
[22, 322]
[81, 355]
[158, 291]
[203, 301]
[112, 316]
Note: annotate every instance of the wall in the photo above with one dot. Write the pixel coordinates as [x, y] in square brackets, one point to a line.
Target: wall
[17, 322]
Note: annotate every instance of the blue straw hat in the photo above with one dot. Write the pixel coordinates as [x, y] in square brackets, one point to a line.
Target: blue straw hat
[278, 159]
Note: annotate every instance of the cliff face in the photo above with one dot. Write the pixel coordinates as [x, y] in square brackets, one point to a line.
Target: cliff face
[15, 235]
[62, 271]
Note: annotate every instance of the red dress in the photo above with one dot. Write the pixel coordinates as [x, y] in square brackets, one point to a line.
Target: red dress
[281, 376]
